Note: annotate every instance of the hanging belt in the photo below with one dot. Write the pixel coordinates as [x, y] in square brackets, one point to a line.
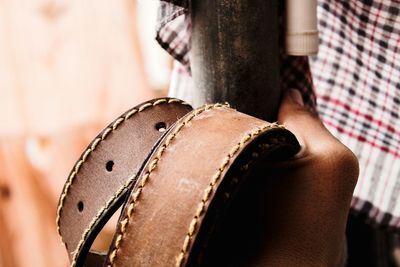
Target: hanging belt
[98, 183]
[181, 173]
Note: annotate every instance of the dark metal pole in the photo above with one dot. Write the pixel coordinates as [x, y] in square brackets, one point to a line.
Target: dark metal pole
[235, 54]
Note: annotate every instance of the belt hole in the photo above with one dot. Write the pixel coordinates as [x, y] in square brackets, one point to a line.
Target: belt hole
[80, 206]
[161, 126]
[109, 165]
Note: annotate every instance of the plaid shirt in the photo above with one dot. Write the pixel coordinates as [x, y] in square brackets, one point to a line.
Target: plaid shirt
[357, 86]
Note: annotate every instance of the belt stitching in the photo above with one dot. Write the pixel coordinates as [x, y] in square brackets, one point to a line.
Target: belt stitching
[93, 146]
[153, 165]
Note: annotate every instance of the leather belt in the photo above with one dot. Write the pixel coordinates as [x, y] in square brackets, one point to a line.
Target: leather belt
[101, 177]
[177, 195]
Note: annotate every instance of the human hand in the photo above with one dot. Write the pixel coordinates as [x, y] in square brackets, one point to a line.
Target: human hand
[308, 198]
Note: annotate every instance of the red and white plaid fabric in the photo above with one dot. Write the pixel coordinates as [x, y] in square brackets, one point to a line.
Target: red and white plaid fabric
[357, 85]
[357, 80]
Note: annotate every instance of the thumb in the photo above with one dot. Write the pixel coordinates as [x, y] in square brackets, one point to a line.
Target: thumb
[297, 118]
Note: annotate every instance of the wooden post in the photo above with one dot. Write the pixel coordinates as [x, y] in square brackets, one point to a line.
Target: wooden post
[235, 54]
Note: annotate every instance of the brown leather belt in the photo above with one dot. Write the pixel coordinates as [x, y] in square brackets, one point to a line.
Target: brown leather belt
[100, 179]
[181, 172]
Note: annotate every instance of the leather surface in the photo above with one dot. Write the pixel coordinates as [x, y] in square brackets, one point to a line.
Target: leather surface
[99, 181]
[162, 218]
[95, 259]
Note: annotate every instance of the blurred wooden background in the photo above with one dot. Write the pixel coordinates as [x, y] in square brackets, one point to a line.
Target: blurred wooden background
[67, 68]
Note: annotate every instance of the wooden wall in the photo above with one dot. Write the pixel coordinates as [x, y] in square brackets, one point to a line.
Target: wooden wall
[66, 69]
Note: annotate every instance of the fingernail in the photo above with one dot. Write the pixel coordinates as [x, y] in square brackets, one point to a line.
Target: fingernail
[295, 95]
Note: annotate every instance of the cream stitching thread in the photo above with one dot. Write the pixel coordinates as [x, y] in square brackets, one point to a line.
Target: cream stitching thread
[235, 180]
[151, 167]
[100, 213]
[208, 191]
[104, 135]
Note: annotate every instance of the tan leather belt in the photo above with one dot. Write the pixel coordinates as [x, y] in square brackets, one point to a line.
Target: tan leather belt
[179, 195]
